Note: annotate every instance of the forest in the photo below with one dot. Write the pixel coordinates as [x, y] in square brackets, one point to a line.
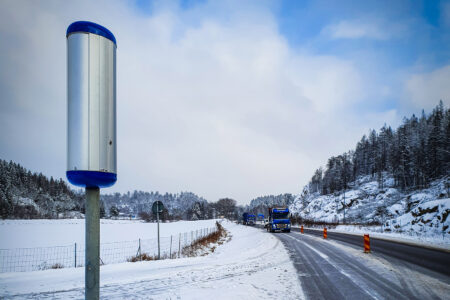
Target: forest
[24, 194]
[415, 153]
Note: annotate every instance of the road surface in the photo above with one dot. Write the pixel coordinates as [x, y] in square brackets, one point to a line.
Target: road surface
[434, 260]
[332, 269]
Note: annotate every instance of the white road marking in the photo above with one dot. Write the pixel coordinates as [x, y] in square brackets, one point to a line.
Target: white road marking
[361, 284]
[321, 254]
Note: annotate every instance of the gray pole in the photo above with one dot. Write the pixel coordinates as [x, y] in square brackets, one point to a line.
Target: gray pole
[179, 245]
[92, 262]
[157, 217]
[344, 206]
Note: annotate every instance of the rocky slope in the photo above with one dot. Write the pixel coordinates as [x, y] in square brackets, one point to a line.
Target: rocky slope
[370, 201]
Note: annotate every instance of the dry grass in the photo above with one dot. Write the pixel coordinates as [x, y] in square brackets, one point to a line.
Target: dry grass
[203, 246]
[217, 237]
[57, 266]
[142, 257]
[148, 257]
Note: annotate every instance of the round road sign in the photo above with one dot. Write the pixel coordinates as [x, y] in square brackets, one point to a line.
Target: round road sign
[157, 207]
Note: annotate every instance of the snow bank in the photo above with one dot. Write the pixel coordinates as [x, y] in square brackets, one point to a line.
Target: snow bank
[438, 240]
[252, 265]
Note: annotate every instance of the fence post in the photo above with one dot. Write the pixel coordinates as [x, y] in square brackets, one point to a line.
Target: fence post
[179, 245]
[75, 251]
[140, 251]
[170, 251]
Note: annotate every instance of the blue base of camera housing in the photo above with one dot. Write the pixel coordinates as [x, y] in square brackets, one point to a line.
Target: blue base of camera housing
[91, 179]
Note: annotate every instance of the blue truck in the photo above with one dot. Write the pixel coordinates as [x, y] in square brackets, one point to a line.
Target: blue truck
[248, 219]
[279, 219]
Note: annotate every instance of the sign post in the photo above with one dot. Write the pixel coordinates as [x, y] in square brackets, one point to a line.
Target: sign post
[158, 208]
[91, 129]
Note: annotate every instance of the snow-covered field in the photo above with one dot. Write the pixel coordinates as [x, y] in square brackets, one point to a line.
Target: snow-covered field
[48, 233]
[252, 265]
[43, 244]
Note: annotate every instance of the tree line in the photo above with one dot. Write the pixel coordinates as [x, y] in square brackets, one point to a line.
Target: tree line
[415, 153]
[24, 194]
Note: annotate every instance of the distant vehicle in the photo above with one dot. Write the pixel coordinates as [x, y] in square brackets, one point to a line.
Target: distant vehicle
[279, 219]
[248, 219]
[266, 223]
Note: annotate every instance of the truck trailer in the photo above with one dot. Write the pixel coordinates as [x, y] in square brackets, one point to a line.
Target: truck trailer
[279, 219]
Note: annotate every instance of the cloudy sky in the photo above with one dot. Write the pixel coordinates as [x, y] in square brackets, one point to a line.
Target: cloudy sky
[225, 99]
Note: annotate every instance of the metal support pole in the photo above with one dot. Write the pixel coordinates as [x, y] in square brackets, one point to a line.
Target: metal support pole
[157, 217]
[92, 260]
[140, 251]
[75, 254]
[179, 245]
[344, 206]
[170, 252]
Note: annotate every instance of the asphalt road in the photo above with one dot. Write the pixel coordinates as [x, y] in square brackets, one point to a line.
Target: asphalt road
[337, 268]
[434, 260]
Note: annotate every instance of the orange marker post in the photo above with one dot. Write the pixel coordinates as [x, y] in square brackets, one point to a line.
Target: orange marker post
[301, 229]
[325, 233]
[366, 243]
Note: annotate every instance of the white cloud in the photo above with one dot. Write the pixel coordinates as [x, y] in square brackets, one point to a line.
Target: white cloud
[445, 13]
[424, 90]
[220, 106]
[357, 29]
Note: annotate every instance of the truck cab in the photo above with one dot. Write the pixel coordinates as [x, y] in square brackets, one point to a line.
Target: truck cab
[279, 219]
[248, 219]
[251, 219]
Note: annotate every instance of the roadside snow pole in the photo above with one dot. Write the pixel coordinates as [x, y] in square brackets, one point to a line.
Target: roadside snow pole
[91, 129]
[366, 243]
[301, 229]
[325, 233]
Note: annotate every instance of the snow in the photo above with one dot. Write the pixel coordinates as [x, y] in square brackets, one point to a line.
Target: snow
[420, 214]
[46, 233]
[370, 188]
[252, 265]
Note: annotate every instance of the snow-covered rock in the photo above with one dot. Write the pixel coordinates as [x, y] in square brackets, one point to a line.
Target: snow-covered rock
[368, 201]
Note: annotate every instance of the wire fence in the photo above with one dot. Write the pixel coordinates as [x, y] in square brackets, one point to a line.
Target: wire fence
[72, 256]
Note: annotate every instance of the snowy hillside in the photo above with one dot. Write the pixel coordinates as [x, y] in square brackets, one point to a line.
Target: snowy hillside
[182, 204]
[423, 210]
[261, 204]
[26, 195]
